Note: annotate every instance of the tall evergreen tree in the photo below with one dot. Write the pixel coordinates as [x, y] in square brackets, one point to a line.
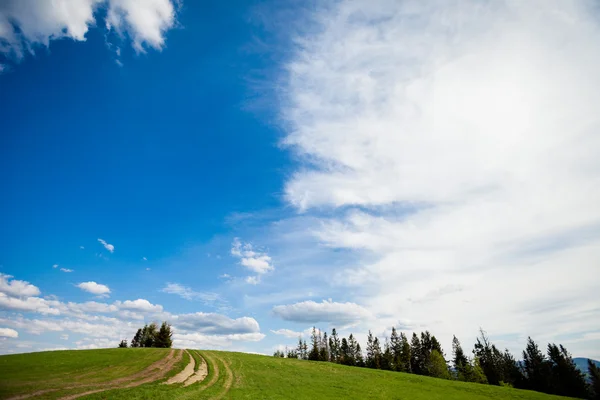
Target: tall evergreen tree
[437, 365]
[370, 361]
[345, 357]
[387, 359]
[137, 339]
[594, 374]
[352, 343]
[334, 346]
[488, 356]
[405, 354]
[164, 336]
[358, 356]
[567, 379]
[537, 369]
[396, 349]
[415, 354]
[299, 348]
[324, 351]
[459, 360]
[314, 348]
[304, 350]
[378, 354]
[511, 370]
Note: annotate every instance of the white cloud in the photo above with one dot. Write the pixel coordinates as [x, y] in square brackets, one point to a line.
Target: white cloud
[326, 311]
[190, 294]
[459, 142]
[288, 333]
[252, 280]
[199, 340]
[9, 333]
[94, 288]
[66, 270]
[255, 261]
[34, 304]
[211, 323]
[139, 305]
[107, 246]
[55, 266]
[17, 288]
[37, 22]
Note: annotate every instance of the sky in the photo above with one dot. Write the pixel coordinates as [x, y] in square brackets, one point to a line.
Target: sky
[249, 170]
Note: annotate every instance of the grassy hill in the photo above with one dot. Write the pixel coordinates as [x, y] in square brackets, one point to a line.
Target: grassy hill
[140, 373]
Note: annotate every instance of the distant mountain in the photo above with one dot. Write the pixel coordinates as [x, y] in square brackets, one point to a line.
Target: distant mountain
[582, 364]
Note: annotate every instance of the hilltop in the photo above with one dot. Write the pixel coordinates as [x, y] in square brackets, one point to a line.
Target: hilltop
[140, 374]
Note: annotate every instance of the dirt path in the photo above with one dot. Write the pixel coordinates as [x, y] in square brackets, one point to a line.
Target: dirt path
[153, 373]
[160, 364]
[185, 374]
[198, 375]
[215, 376]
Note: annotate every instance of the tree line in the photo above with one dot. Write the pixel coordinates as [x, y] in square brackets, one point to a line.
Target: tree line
[553, 372]
[151, 336]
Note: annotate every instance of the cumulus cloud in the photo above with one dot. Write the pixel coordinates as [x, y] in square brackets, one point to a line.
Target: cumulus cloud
[94, 288]
[199, 340]
[27, 23]
[8, 333]
[189, 294]
[459, 141]
[33, 304]
[252, 280]
[139, 305]
[211, 323]
[107, 246]
[326, 311]
[17, 288]
[255, 261]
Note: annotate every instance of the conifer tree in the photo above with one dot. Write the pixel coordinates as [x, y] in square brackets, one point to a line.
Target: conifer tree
[437, 365]
[567, 379]
[137, 339]
[324, 351]
[459, 359]
[370, 361]
[405, 354]
[396, 349]
[537, 369]
[594, 374]
[123, 343]
[314, 349]
[334, 346]
[345, 353]
[352, 343]
[304, 350]
[358, 356]
[378, 354]
[488, 356]
[164, 336]
[415, 354]
[387, 359]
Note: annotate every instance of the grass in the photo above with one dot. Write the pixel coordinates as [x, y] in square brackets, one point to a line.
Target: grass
[248, 376]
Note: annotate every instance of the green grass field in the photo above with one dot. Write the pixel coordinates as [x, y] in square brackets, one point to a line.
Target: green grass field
[230, 376]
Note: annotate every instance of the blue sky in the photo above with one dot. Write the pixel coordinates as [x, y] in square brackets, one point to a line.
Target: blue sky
[246, 171]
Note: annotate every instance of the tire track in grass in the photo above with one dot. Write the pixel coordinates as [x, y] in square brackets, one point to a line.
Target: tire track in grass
[228, 379]
[215, 376]
[159, 364]
[184, 375]
[201, 372]
[154, 376]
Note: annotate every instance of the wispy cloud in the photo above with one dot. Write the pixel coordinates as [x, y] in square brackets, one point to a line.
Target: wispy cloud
[55, 266]
[435, 137]
[189, 294]
[66, 270]
[106, 245]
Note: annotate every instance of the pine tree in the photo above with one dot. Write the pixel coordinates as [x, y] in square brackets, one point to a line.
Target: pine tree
[299, 348]
[123, 343]
[594, 374]
[459, 359]
[396, 349]
[352, 343]
[345, 357]
[370, 361]
[314, 348]
[358, 356]
[567, 379]
[136, 341]
[377, 353]
[488, 356]
[334, 346]
[476, 373]
[511, 371]
[537, 369]
[324, 351]
[164, 336]
[405, 354]
[415, 354]
[387, 359]
[304, 351]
